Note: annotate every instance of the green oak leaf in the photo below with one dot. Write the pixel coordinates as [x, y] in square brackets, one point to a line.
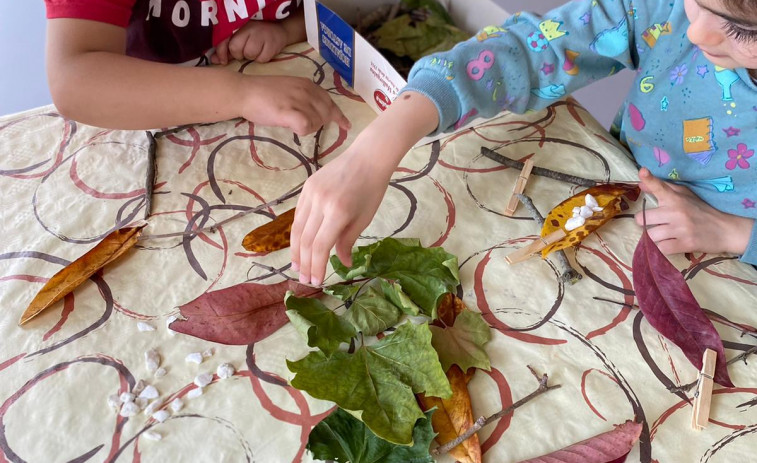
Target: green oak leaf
[318, 324]
[370, 313]
[377, 383]
[405, 36]
[341, 437]
[463, 343]
[342, 292]
[425, 274]
[393, 291]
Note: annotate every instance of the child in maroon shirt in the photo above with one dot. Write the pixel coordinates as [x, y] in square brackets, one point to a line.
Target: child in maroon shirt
[110, 63]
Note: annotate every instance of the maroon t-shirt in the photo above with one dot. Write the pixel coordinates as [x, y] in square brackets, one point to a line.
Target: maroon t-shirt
[172, 31]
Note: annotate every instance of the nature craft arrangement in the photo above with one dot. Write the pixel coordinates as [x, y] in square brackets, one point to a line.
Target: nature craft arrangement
[394, 347]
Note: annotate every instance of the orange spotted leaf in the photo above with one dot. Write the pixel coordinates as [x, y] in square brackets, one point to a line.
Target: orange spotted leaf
[77, 272]
[272, 236]
[609, 196]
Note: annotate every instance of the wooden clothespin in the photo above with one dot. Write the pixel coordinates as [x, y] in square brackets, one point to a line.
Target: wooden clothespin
[520, 187]
[700, 415]
[526, 252]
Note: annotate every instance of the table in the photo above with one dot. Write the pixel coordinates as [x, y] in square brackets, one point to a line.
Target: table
[66, 185]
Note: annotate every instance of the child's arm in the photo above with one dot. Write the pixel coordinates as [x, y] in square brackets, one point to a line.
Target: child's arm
[682, 222]
[92, 81]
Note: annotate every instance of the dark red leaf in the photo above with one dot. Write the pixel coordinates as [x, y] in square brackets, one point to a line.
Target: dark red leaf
[241, 314]
[670, 307]
[608, 447]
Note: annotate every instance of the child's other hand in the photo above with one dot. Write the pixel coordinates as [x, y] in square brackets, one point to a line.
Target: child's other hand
[256, 40]
[293, 102]
[684, 223]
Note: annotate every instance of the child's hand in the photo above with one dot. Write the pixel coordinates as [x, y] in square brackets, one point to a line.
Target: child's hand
[293, 102]
[684, 223]
[256, 40]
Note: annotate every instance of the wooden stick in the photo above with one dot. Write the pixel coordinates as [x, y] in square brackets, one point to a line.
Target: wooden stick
[505, 161]
[700, 415]
[525, 253]
[519, 187]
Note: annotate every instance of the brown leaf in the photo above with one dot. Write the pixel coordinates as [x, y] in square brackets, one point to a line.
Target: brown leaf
[609, 196]
[608, 447]
[77, 272]
[454, 416]
[272, 236]
[241, 314]
[449, 308]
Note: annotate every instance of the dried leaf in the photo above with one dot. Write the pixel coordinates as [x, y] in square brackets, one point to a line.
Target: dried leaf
[608, 447]
[318, 324]
[370, 313]
[670, 307]
[272, 236]
[462, 344]
[609, 196]
[454, 416]
[241, 314]
[77, 272]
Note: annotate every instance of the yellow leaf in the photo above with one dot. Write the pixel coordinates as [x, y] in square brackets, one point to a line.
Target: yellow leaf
[608, 196]
[272, 236]
[78, 271]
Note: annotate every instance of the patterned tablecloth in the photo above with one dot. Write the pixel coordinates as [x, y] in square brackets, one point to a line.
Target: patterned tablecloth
[66, 185]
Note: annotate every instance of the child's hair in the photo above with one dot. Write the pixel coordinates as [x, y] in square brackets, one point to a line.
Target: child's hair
[745, 7]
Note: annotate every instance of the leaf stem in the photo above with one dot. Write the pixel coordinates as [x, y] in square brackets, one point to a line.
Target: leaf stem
[481, 421]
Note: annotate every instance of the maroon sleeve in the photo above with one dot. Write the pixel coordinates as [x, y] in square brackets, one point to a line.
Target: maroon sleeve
[116, 12]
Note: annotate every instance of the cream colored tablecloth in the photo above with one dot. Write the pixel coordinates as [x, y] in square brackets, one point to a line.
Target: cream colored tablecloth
[65, 185]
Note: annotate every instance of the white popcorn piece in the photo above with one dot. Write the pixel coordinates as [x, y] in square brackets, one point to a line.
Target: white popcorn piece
[170, 320]
[114, 401]
[152, 360]
[194, 393]
[574, 222]
[598, 209]
[225, 370]
[152, 435]
[126, 397]
[149, 393]
[209, 352]
[161, 415]
[203, 379]
[153, 407]
[160, 372]
[141, 402]
[129, 409]
[194, 357]
[576, 211]
[591, 201]
[585, 212]
[176, 405]
[144, 326]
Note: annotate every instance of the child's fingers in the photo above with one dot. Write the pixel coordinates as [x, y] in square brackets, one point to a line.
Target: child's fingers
[324, 240]
[344, 244]
[309, 232]
[252, 49]
[267, 52]
[300, 219]
[222, 52]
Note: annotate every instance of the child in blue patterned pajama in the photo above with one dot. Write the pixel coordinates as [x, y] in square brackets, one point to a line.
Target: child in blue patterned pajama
[690, 119]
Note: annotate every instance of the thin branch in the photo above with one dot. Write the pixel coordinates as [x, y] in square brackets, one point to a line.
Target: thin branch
[481, 422]
[569, 274]
[509, 162]
[151, 173]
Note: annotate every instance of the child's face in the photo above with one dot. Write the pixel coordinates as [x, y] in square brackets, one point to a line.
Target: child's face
[727, 39]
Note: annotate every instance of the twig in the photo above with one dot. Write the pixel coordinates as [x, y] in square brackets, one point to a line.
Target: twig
[505, 161]
[151, 173]
[569, 274]
[481, 422]
[213, 228]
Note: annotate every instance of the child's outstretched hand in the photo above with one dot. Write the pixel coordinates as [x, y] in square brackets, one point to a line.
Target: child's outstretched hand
[256, 40]
[684, 223]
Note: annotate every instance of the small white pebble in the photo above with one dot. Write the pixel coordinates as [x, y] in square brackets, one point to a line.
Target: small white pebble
[193, 393]
[170, 320]
[152, 360]
[574, 222]
[576, 211]
[138, 387]
[153, 407]
[161, 415]
[129, 409]
[209, 352]
[585, 212]
[126, 397]
[144, 326]
[598, 209]
[152, 435]
[194, 357]
[114, 401]
[176, 404]
[225, 370]
[149, 392]
[203, 379]
[141, 402]
[591, 201]
[160, 372]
